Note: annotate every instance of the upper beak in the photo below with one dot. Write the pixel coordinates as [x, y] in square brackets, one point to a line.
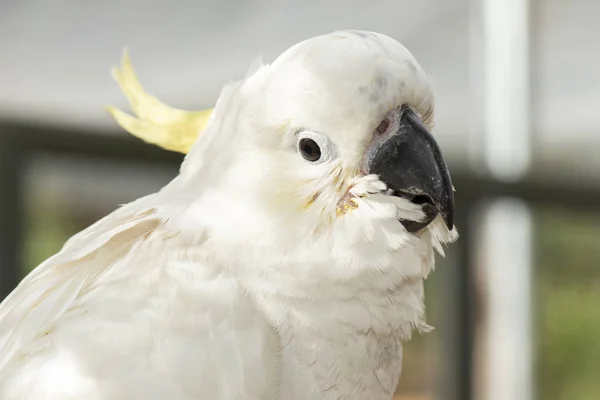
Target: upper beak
[410, 163]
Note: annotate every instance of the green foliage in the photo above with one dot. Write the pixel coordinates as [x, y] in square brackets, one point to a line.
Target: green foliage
[568, 305]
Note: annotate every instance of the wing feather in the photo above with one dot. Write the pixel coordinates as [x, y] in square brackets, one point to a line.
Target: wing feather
[48, 291]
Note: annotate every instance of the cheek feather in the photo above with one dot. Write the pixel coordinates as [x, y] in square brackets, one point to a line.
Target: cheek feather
[333, 196]
[340, 194]
[312, 200]
[346, 204]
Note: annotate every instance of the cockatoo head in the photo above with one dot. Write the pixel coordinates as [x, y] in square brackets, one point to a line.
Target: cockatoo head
[321, 166]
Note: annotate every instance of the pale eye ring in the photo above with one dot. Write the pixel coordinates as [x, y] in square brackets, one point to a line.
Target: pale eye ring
[314, 147]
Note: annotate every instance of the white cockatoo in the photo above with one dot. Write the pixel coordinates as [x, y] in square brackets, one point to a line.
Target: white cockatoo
[285, 261]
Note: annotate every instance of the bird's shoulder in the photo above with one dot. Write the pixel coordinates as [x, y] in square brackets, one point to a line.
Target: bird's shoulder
[129, 294]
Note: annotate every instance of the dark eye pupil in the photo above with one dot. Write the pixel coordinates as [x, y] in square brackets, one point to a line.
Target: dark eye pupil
[309, 149]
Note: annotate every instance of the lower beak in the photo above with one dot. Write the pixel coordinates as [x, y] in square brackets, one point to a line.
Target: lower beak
[410, 163]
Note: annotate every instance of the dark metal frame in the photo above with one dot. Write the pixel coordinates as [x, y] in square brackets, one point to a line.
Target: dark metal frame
[19, 142]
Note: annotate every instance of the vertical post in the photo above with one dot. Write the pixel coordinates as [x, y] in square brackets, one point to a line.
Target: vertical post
[10, 213]
[501, 52]
[506, 272]
[506, 87]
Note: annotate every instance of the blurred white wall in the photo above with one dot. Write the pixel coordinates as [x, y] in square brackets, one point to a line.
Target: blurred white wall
[56, 56]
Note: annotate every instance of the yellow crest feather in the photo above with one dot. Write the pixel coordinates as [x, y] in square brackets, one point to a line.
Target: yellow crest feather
[156, 122]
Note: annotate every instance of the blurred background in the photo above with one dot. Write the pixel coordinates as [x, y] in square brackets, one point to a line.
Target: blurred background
[516, 301]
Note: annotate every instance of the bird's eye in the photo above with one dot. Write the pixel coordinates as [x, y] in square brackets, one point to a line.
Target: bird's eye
[309, 149]
[315, 147]
[383, 126]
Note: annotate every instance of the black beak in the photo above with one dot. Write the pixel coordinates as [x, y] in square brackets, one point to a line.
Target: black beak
[410, 163]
